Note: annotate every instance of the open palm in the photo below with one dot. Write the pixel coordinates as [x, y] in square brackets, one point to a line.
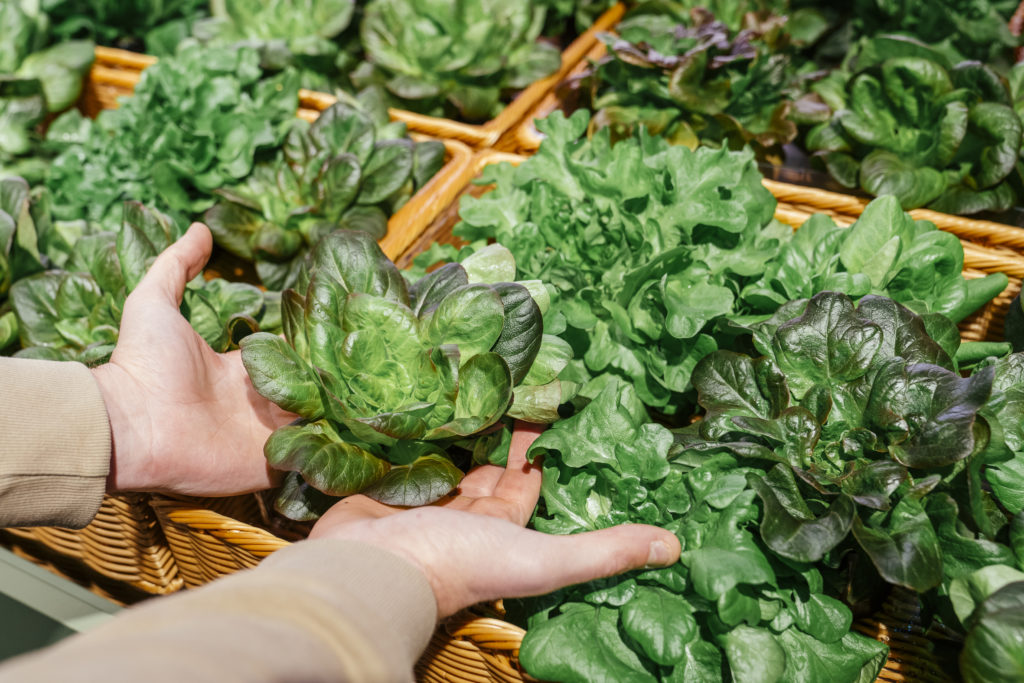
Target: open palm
[473, 546]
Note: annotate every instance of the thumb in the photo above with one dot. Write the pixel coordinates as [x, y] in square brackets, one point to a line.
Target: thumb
[559, 561]
[179, 263]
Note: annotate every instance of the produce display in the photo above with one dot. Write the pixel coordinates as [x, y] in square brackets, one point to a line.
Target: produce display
[801, 408]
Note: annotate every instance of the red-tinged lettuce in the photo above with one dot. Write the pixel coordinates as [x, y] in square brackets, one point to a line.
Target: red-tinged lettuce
[385, 374]
[704, 84]
[728, 610]
[340, 172]
[873, 434]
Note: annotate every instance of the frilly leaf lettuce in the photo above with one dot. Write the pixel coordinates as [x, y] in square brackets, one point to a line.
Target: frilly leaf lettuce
[635, 283]
[386, 374]
[727, 604]
[194, 124]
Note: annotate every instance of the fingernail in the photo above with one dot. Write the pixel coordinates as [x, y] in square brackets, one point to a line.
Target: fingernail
[659, 555]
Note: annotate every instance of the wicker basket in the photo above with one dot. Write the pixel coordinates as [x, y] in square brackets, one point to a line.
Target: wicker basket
[123, 543]
[477, 646]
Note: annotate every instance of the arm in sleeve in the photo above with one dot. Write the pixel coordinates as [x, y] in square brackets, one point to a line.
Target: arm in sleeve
[324, 610]
[54, 444]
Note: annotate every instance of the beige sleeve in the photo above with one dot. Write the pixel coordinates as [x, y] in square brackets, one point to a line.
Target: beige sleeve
[324, 610]
[54, 444]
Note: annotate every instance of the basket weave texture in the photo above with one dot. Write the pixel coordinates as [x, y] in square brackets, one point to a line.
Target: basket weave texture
[123, 543]
[476, 646]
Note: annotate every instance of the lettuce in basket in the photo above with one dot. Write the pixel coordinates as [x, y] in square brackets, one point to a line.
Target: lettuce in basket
[451, 57]
[340, 172]
[912, 124]
[385, 374]
[296, 33]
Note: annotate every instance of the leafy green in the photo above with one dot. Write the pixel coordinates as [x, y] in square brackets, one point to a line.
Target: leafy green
[74, 314]
[988, 602]
[704, 84]
[385, 374]
[915, 126]
[38, 75]
[453, 57]
[727, 611]
[865, 409]
[286, 32]
[965, 29]
[885, 252]
[143, 25]
[339, 172]
[195, 123]
[644, 290]
[636, 282]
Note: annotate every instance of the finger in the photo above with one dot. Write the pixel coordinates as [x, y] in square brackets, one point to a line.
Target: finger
[480, 481]
[557, 561]
[178, 264]
[520, 483]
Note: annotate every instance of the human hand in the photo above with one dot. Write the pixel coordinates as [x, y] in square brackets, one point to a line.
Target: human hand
[183, 418]
[473, 547]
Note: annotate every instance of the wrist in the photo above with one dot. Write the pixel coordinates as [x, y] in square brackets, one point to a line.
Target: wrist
[130, 463]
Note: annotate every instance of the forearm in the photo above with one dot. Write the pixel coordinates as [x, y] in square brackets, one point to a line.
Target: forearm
[322, 610]
[55, 450]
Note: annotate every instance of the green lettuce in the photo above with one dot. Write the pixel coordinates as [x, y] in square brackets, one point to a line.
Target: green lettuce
[929, 132]
[339, 172]
[728, 610]
[74, 312]
[195, 123]
[448, 57]
[385, 374]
